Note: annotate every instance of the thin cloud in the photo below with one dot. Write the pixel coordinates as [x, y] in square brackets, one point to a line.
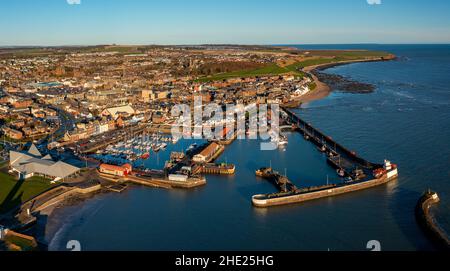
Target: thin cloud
[73, 2]
[374, 2]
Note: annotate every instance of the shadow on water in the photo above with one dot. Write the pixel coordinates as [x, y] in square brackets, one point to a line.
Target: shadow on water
[38, 230]
[34, 229]
[405, 203]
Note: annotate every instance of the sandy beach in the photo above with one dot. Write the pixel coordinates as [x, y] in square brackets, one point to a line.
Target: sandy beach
[322, 90]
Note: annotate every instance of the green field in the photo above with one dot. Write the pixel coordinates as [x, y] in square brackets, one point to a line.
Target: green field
[269, 70]
[311, 62]
[317, 58]
[13, 192]
[329, 58]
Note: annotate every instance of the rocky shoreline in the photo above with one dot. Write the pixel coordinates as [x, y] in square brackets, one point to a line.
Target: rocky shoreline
[326, 83]
[343, 84]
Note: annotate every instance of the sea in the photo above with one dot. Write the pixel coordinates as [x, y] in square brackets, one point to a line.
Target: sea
[406, 120]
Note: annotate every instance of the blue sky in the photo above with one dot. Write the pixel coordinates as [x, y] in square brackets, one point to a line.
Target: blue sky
[55, 22]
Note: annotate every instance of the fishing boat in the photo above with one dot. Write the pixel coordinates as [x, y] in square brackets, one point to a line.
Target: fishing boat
[191, 147]
[156, 148]
[322, 149]
[175, 140]
[282, 141]
[145, 156]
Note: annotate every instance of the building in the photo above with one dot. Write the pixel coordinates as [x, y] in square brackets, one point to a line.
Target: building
[31, 163]
[3, 232]
[162, 95]
[24, 103]
[12, 133]
[116, 112]
[147, 95]
[121, 171]
[207, 154]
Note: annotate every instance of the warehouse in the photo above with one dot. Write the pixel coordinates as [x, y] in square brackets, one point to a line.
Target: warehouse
[207, 154]
[121, 171]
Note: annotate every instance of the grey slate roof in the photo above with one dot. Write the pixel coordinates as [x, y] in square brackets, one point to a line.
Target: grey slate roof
[32, 162]
[34, 151]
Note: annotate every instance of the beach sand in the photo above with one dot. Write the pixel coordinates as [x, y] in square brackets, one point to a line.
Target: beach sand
[322, 90]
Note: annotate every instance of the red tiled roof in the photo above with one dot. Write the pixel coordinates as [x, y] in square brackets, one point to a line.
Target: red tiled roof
[113, 167]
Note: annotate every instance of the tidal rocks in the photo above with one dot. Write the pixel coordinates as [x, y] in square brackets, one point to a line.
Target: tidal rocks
[340, 83]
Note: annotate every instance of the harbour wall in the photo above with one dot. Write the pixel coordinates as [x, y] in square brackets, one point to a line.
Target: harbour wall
[428, 223]
[266, 201]
[72, 191]
[155, 182]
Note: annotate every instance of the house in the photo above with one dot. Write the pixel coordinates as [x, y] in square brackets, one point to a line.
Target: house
[162, 95]
[121, 171]
[18, 124]
[24, 103]
[147, 95]
[75, 135]
[12, 133]
[31, 163]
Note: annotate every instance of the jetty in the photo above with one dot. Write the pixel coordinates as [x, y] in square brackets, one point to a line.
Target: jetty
[219, 169]
[356, 172]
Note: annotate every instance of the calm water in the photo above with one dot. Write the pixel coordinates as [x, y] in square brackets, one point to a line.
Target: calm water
[406, 120]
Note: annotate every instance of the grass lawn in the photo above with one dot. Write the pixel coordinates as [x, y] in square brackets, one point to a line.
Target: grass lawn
[337, 57]
[271, 69]
[311, 62]
[13, 193]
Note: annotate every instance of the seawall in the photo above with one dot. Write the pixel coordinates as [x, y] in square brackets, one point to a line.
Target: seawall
[428, 223]
[266, 201]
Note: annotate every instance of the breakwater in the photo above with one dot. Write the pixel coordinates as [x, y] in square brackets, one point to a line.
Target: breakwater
[427, 221]
[320, 139]
[357, 172]
[312, 193]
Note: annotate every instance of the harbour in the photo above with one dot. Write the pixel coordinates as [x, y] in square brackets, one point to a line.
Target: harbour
[385, 212]
[242, 131]
[125, 161]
